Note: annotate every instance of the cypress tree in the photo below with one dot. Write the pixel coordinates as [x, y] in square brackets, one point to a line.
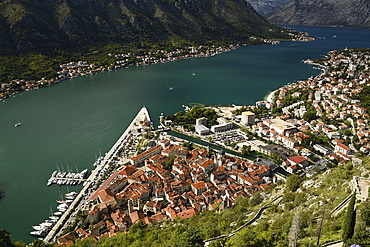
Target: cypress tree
[349, 220]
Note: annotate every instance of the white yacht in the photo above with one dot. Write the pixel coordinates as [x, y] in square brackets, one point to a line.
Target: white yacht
[39, 228]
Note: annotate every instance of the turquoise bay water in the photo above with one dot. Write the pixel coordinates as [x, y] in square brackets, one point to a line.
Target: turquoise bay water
[69, 123]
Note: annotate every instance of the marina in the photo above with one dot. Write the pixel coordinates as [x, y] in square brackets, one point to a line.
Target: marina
[45, 227]
[67, 178]
[80, 199]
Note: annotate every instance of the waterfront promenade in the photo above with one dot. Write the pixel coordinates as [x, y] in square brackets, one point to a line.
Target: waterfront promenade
[78, 202]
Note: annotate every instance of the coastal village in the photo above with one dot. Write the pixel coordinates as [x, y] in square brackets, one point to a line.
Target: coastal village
[305, 127]
[123, 61]
[339, 118]
[168, 181]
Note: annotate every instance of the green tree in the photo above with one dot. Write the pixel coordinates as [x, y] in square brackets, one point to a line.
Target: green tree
[349, 220]
[190, 238]
[310, 114]
[255, 199]
[293, 182]
[39, 243]
[361, 237]
[188, 145]
[365, 213]
[169, 162]
[88, 242]
[5, 239]
[246, 150]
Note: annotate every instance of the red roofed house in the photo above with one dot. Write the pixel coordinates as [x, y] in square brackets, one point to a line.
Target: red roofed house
[120, 219]
[158, 217]
[187, 213]
[107, 197]
[145, 155]
[136, 216]
[170, 212]
[298, 161]
[81, 233]
[127, 171]
[292, 169]
[96, 211]
[199, 187]
[176, 151]
[208, 166]
[243, 179]
[67, 239]
[342, 148]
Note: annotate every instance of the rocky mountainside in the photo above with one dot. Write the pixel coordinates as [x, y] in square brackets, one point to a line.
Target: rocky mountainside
[40, 25]
[346, 13]
[265, 6]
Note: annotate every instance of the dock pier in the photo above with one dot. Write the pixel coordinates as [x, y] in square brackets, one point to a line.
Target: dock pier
[78, 202]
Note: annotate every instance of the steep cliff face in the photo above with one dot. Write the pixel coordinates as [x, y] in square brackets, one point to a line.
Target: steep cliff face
[265, 6]
[346, 13]
[38, 25]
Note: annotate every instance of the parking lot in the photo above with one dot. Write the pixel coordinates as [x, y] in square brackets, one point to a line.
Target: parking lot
[230, 136]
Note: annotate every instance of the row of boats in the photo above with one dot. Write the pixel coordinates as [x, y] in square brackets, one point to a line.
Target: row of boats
[67, 178]
[43, 228]
[98, 161]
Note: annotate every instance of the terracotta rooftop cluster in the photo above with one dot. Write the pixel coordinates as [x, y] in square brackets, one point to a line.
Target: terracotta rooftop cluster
[152, 193]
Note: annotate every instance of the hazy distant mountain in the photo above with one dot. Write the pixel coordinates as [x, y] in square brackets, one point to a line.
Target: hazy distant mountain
[355, 13]
[44, 24]
[265, 6]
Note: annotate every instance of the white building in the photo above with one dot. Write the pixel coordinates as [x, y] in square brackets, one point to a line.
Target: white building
[322, 149]
[342, 148]
[201, 129]
[201, 121]
[222, 127]
[248, 118]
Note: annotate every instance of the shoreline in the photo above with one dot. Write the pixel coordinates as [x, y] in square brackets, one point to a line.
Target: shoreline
[29, 85]
[44, 83]
[270, 96]
[142, 115]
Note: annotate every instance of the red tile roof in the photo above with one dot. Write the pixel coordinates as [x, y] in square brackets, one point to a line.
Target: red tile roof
[187, 214]
[297, 159]
[199, 185]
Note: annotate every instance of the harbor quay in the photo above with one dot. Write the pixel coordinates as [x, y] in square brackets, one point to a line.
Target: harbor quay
[102, 163]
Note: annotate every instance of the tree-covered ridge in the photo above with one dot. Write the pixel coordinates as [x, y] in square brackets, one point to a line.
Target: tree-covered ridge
[322, 13]
[34, 25]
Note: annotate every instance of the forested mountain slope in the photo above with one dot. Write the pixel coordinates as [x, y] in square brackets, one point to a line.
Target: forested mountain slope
[39, 25]
[346, 13]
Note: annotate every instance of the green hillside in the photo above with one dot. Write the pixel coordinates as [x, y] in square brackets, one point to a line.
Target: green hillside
[33, 25]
